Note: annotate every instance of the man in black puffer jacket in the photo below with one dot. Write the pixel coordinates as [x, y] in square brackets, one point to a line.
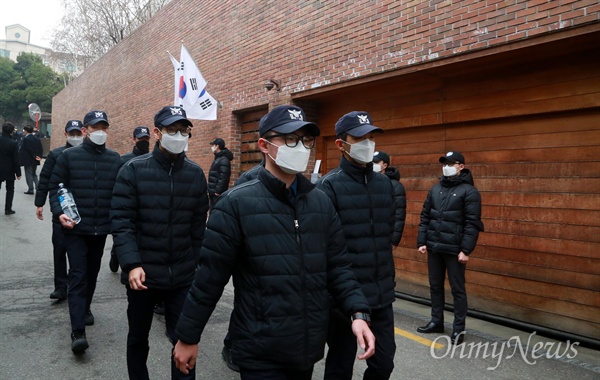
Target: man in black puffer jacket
[158, 216]
[448, 232]
[220, 170]
[88, 171]
[365, 202]
[282, 241]
[381, 164]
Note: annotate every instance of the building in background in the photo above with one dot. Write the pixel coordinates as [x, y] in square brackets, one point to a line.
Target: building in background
[513, 85]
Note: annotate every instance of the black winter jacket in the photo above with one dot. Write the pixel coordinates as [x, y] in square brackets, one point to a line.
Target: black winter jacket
[451, 216]
[158, 217]
[220, 172]
[89, 172]
[365, 202]
[128, 156]
[46, 173]
[399, 202]
[31, 146]
[285, 258]
[9, 158]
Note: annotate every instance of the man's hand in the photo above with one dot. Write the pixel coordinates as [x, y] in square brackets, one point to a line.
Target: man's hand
[137, 277]
[66, 222]
[185, 356]
[39, 213]
[423, 249]
[365, 338]
[462, 258]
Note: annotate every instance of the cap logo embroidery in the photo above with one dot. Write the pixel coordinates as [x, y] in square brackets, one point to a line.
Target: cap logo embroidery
[295, 114]
[176, 111]
[99, 114]
[74, 124]
[144, 130]
[449, 154]
[363, 119]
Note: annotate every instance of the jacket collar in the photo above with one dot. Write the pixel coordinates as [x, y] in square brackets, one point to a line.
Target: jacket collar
[89, 145]
[357, 173]
[277, 187]
[165, 161]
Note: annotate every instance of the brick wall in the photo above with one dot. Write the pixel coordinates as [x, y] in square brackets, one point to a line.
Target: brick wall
[238, 45]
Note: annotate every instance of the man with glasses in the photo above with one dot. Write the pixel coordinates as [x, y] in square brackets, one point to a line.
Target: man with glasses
[88, 171]
[448, 232]
[158, 216]
[365, 202]
[282, 241]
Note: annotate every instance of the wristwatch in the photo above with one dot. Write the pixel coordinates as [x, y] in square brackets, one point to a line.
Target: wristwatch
[360, 315]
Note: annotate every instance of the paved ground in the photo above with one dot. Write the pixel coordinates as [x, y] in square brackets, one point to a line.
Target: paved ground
[35, 344]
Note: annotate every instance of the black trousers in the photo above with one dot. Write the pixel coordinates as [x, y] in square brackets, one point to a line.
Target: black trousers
[342, 346]
[61, 277]
[275, 374]
[85, 255]
[140, 312]
[10, 194]
[31, 177]
[438, 264]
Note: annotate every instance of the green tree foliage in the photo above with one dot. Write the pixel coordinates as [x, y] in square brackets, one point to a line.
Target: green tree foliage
[24, 82]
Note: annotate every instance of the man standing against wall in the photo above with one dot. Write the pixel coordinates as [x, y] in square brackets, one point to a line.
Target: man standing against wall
[74, 135]
[448, 233]
[89, 172]
[220, 170]
[9, 165]
[365, 202]
[30, 155]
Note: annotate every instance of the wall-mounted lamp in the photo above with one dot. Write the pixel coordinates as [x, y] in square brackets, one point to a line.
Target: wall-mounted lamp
[272, 83]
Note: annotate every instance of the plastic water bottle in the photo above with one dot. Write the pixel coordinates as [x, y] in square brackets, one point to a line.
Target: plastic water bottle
[68, 203]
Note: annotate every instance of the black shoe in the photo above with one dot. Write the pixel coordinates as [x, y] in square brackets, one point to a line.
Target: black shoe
[113, 264]
[226, 354]
[89, 318]
[79, 342]
[9, 212]
[30, 192]
[159, 308]
[59, 294]
[431, 328]
[457, 337]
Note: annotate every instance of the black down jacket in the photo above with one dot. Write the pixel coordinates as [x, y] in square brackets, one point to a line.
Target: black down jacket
[9, 158]
[46, 173]
[365, 202]
[158, 216]
[284, 257]
[399, 202]
[451, 216]
[220, 172]
[89, 172]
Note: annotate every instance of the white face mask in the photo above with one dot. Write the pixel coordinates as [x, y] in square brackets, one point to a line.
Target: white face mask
[75, 140]
[213, 148]
[362, 151]
[377, 168]
[291, 160]
[174, 144]
[449, 171]
[98, 137]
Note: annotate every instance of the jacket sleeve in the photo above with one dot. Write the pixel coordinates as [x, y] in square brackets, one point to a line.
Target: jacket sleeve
[424, 223]
[60, 174]
[123, 217]
[45, 173]
[223, 176]
[400, 212]
[15, 161]
[473, 224]
[222, 240]
[199, 218]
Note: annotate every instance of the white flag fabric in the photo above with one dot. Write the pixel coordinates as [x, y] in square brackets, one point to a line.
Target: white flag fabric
[190, 89]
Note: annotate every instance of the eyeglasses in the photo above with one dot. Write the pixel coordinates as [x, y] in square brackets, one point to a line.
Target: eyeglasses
[173, 129]
[448, 163]
[292, 140]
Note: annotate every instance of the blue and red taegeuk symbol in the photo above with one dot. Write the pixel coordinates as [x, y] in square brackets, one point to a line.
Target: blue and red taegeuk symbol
[182, 87]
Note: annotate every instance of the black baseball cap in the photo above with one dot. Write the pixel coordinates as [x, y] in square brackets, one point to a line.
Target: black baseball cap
[169, 115]
[453, 157]
[95, 117]
[73, 125]
[356, 124]
[141, 131]
[286, 119]
[381, 156]
[220, 142]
